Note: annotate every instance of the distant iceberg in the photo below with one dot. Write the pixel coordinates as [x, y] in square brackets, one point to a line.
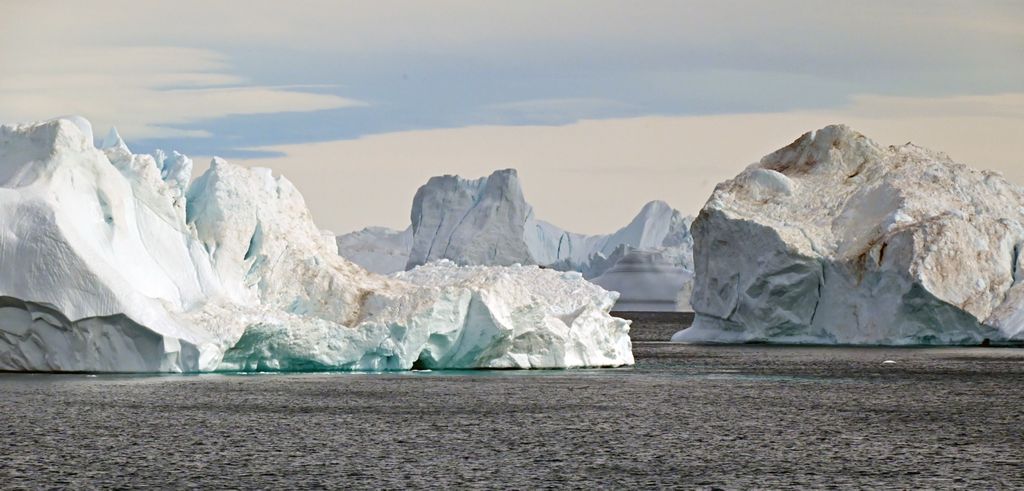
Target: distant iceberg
[648, 281]
[378, 249]
[837, 240]
[487, 221]
[112, 261]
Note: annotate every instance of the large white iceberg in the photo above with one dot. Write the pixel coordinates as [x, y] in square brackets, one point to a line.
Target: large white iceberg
[111, 261]
[835, 239]
[487, 221]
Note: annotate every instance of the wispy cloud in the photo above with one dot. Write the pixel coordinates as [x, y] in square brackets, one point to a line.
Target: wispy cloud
[146, 90]
[554, 111]
[1006, 105]
[450, 63]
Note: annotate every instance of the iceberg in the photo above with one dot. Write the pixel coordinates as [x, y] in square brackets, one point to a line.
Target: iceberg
[112, 262]
[657, 228]
[647, 281]
[378, 249]
[835, 239]
[487, 221]
[471, 222]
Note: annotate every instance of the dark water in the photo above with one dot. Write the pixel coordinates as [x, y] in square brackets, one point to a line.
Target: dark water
[656, 326]
[696, 417]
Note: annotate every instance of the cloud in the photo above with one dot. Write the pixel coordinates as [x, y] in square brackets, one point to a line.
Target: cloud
[453, 63]
[469, 25]
[145, 90]
[554, 111]
[1007, 105]
[594, 175]
[733, 81]
[571, 33]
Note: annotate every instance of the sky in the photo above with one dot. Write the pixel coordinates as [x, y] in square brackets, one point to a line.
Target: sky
[601, 105]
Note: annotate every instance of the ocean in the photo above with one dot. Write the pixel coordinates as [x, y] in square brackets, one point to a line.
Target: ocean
[727, 417]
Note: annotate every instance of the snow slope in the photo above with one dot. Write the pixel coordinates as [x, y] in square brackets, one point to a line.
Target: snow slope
[835, 239]
[109, 261]
[487, 221]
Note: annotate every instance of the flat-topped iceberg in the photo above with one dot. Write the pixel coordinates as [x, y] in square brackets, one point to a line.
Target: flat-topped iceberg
[835, 239]
[111, 261]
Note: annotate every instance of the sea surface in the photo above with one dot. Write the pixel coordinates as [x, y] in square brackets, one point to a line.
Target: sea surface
[688, 416]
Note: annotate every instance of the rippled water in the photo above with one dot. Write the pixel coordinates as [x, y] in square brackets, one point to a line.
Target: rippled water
[729, 417]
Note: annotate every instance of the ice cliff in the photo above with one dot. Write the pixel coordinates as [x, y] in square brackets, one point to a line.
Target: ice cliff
[487, 221]
[112, 261]
[836, 239]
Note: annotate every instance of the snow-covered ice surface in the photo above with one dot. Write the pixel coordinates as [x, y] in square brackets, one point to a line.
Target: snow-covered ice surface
[111, 261]
[487, 221]
[835, 239]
